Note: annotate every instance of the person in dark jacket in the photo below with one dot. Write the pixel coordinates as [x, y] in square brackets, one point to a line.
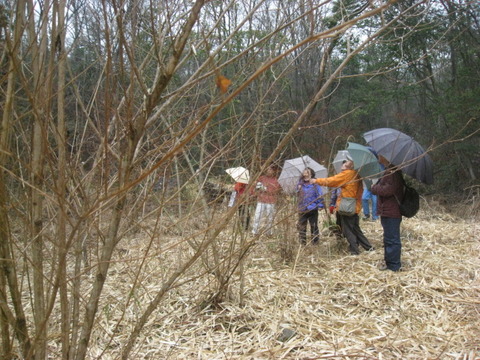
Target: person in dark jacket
[310, 200]
[390, 188]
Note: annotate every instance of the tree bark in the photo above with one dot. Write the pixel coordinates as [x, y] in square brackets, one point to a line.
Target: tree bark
[62, 180]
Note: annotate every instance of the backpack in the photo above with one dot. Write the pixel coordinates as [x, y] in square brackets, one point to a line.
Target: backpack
[411, 201]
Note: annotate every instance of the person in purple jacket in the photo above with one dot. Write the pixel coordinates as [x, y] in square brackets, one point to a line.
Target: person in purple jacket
[310, 200]
[388, 189]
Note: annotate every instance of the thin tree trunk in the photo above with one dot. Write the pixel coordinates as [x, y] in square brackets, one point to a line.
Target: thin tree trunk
[104, 261]
[40, 96]
[76, 291]
[37, 245]
[61, 181]
[7, 269]
[104, 264]
[6, 352]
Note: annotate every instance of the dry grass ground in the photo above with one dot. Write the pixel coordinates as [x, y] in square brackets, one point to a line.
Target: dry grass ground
[323, 304]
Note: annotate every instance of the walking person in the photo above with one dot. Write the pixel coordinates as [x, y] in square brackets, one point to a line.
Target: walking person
[310, 200]
[266, 191]
[390, 188]
[350, 186]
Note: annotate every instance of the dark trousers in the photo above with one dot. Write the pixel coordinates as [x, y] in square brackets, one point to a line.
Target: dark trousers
[312, 218]
[338, 221]
[351, 230]
[391, 242]
[244, 216]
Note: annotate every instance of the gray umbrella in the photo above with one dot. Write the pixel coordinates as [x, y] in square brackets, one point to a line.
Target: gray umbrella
[403, 151]
[293, 169]
[365, 160]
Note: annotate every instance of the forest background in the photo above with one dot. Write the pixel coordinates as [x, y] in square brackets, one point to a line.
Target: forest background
[119, 117]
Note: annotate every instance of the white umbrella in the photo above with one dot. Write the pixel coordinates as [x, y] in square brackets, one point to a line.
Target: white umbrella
[239, 174]
[293, 169]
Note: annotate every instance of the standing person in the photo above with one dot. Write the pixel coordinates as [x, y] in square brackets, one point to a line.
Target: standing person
[366, 198]
[243, 208]
[350, 187]
[266, 191]
[390, 188]
[310, 200]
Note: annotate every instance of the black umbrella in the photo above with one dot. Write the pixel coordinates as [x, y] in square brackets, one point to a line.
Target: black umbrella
[403, 151]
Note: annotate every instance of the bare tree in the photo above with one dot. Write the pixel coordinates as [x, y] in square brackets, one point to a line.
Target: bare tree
[119, 120]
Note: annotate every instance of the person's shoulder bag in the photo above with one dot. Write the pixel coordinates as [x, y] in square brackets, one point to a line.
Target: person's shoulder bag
[347, 206]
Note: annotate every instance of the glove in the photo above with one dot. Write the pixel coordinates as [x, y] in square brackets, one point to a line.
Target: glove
[260, 186]
[332, 208]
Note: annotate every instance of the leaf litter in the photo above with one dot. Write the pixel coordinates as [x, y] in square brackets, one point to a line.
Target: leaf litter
[325, 304]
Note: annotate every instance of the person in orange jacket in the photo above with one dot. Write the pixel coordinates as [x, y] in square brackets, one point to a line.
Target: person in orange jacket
[350, 186]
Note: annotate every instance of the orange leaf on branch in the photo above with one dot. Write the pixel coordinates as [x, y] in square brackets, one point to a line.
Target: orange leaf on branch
[223, 83]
